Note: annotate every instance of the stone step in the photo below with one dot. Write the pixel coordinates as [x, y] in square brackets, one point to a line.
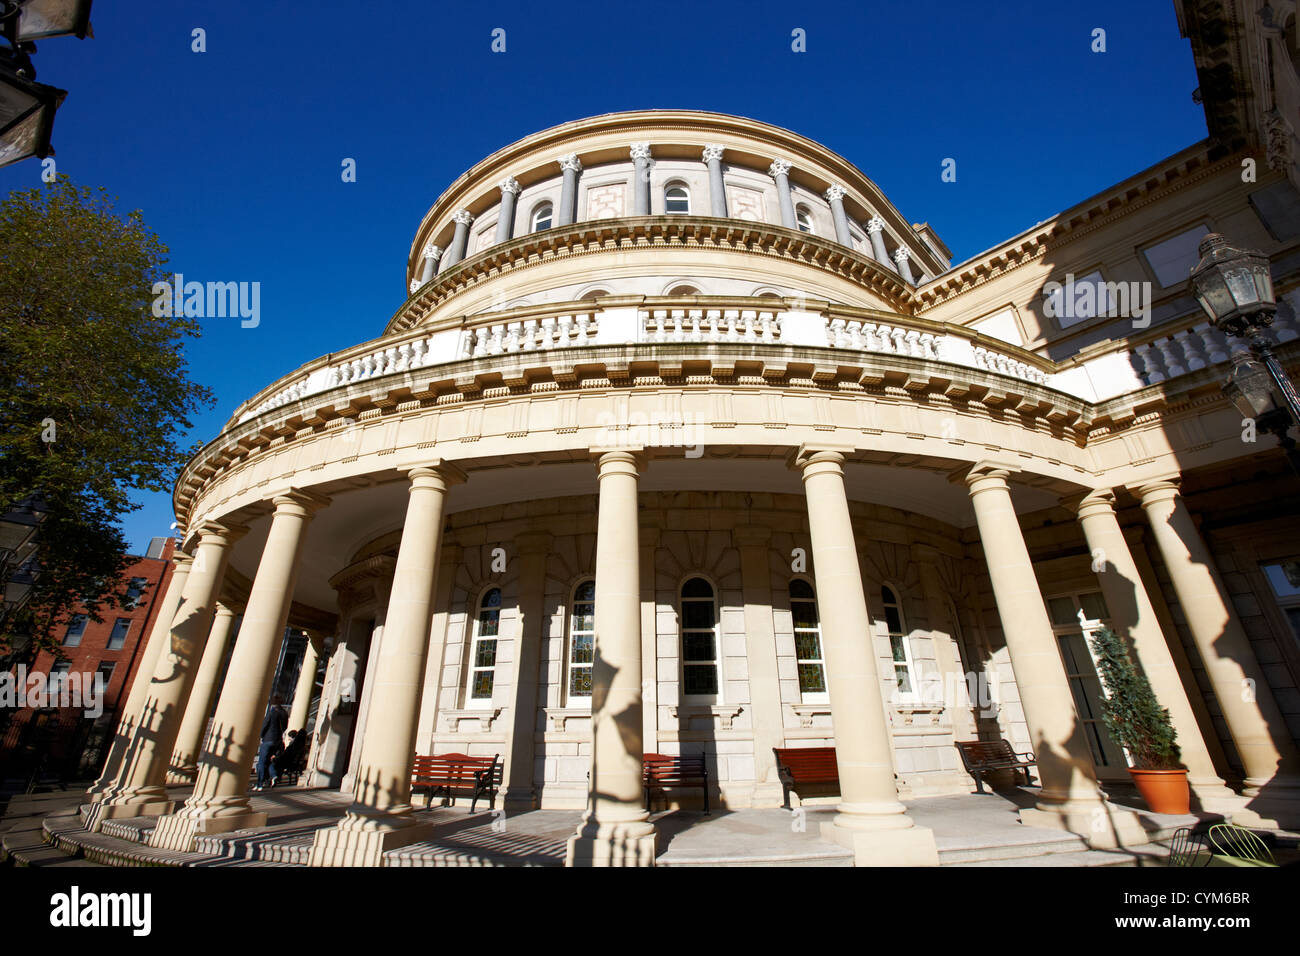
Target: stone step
[831, 857]
[134, 829]
[286, 845]
[1135, 856]
[1052, 845]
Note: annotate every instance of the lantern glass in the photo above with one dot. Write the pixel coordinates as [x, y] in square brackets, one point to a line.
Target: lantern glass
[1230, 282]
[42, 19]
[1251, 388]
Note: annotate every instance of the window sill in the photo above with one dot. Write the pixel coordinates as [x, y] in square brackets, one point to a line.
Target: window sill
[725, 714]
[557, 718]
[484, 715]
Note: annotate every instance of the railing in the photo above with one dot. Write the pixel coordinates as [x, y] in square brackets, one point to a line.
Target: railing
[1194, 348]
[628, 320]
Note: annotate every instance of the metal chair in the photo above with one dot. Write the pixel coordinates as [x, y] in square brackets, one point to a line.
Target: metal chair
[1187, 848]
[1238, 843]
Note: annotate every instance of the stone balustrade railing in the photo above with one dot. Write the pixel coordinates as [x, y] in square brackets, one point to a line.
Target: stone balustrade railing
[1187, 350]
[636, 320]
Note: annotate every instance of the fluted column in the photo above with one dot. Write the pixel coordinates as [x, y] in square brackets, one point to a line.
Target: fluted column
[1134, 617]
[141, 788]
[835, 196]
[875, 232]
[1241, 687]
[220, 801]
[780, 171]
[506, 219]
[432, 253]
[131, 714]
[641, 179]
[870, 819]
[717, 188]
[1070, 797]
[306, 688]
[568, 211]
[381, 816]
[532, 549]
[185, 755]
[616, 830]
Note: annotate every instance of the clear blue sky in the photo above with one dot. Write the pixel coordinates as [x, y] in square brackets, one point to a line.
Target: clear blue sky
[234, 154]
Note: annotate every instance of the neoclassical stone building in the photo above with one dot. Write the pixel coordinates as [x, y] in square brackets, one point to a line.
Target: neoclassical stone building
[686, 440]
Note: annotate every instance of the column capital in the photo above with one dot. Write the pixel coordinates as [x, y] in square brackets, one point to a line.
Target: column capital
[1099, 501]
[414, 284]
[825, 458]
[713, 153]
[439, 473]
[432, 251]
[780, 167]
[219, 532]
[299, 501]
[534, 542]
[835, 193]
[570, 163]
[988, 474]
[1161, 489]
[625, 461]
[509, 185]
[462, 217]
[900, 254]
[875, 224]
[640, 150]
[181, 559]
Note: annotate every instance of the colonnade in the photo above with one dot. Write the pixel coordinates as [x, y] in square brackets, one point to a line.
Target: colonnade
[166, 714]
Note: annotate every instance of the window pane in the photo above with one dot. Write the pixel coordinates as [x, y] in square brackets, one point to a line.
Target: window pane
[586, 591]
[583, 649]
[487, 623]
[700, 679]
[580, 682]
[808, 647]
[1062, 610]
[698, 647]
[584, 617]
[697, 587]
[1094, 606]
[76, 627]
[482, 685]
[904, 678]
[812, 679]
[899, 650]
[799, 588]
[893, 621]
[485, 654]
[492, 598]
[697, 614]
[804, 614]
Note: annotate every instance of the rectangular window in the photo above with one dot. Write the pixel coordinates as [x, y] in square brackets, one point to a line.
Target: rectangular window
[699, 640]
[105, 672]
[807, 642]
[76, 628]
[58, 679]
[582, 642]
[1284, 579]
[483, 653]
[134, 591]
[1172, 259]
[121, 627]
[1086, 297]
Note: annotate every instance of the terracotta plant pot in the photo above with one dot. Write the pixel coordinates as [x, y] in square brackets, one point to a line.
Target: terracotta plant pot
[1165, 791]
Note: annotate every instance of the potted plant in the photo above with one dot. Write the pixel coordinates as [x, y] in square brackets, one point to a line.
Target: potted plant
[1139, 724]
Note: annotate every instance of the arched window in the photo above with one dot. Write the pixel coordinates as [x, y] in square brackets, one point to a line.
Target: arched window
[808, 641]
[699, 640]
[483, 653]
[593, 295]
[582, 643]
[898, 643]
[683, 290]
[677, 198]
[542, 216]
[803, 218]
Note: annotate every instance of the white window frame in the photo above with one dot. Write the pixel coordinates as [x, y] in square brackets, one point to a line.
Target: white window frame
[669, 187]
[77, 619]
[914, 694]
[536, 215]
[683, 630]
[477, 637]
[803, 219]
[572, 700]
[125, 634]
[808, 697]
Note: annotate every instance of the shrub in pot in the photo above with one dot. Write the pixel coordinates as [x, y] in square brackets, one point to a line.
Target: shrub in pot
[1139, 724]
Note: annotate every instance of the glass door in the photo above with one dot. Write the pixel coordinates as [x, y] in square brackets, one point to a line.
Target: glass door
[1075, 618]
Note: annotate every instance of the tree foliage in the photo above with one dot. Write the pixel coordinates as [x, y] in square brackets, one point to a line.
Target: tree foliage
[94, 389]
[1130, 710]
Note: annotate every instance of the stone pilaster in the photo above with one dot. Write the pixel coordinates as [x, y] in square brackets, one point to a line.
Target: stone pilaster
[754, 544]
[185, 756]
[532, 548]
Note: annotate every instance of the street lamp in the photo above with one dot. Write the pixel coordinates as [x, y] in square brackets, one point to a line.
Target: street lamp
[1235, 288]
[43, 19]
[26, 107]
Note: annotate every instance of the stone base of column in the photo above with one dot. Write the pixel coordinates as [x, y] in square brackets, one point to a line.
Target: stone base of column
[1102, 825]
[1214, 796]
[180, 775]
[144, 804]
[626, 843]
[177, 831]
[909, 846]
[519, 799]
[345, 845]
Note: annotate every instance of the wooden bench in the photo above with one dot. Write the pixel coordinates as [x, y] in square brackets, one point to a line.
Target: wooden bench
[662, 772]
[800, 767]
[981, 756]
[447, 773]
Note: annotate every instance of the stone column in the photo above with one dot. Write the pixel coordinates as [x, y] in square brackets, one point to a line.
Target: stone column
[870, 819]
[1254, 719]
[641, 161]
[374, 646]
[306, 689]
[220, 801]
[381, 816]
[754, 544]
[1070, 797]
[717, 188]
[460, 240]
[130, 717]
[141, 790]
[875, 232]
[901, 263]
[185, 756]
[780, 171]
[946, 652]
[1134, 617]
[432, 253]
[506, 219]
[616, 830]
[532, 549]
[567, 214]
[835, 196]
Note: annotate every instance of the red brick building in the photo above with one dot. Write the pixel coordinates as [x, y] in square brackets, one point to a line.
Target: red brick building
[70, 741]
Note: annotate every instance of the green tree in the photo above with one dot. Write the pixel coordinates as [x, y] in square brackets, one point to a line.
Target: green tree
[1130, 710]
[94, 391]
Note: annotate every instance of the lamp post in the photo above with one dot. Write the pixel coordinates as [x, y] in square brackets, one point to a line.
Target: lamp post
[1235, 288]
[26, 107]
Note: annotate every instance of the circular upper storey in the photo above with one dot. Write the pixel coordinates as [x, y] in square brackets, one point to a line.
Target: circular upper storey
[682, 200]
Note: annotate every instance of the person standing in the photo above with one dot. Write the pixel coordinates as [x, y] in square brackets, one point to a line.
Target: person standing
[272, 743]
